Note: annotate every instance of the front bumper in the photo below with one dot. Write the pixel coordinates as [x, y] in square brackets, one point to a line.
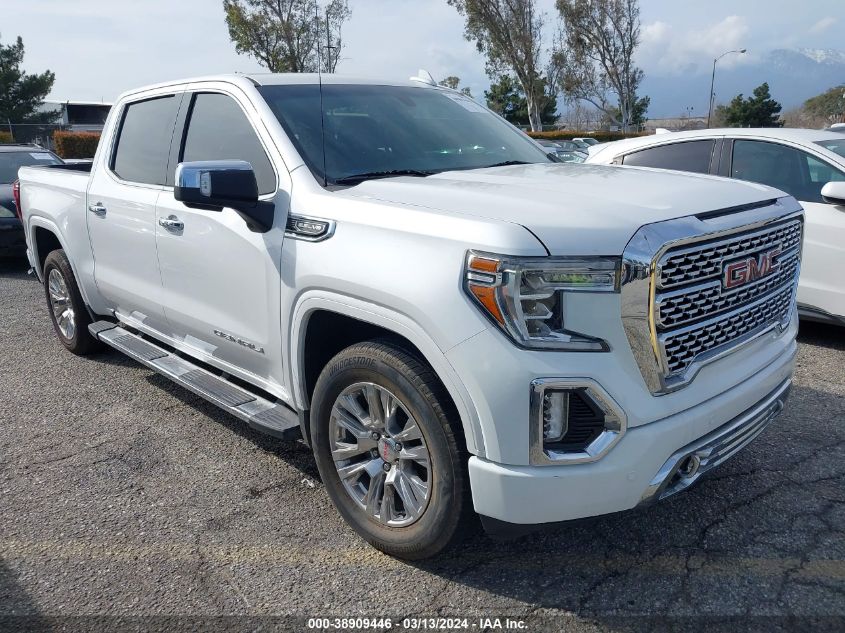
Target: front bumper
[644, 466]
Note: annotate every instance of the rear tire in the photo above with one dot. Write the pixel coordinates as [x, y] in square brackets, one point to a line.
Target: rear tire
[68, 312]
[405, 487]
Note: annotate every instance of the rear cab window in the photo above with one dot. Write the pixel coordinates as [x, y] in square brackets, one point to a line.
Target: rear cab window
[694, 156]
[142, 147]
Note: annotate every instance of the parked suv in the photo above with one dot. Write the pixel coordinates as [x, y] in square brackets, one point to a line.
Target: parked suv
[453, 322]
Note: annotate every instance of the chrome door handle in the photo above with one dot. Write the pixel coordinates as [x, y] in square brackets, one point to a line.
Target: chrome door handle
[97, 209]
[172, 223]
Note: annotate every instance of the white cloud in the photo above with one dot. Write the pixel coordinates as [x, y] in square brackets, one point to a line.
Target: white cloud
[667, 50]
[823, 25]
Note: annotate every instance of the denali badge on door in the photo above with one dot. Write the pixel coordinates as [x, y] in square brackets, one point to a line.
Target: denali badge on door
[239, 341]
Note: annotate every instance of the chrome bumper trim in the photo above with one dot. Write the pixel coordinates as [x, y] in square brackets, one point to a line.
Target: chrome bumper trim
[688, 464]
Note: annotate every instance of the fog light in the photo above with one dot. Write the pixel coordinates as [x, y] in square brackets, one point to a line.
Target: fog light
[555, 415]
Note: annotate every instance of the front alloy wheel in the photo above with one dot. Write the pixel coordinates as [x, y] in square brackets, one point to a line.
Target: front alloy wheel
[388, 445]
[380, 454]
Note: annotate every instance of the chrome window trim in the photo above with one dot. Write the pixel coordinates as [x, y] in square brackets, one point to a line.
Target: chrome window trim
[616, 423]
[640, 267]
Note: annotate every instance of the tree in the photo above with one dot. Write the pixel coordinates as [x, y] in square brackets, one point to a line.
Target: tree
[594, 55]
[508, 32]
[288, 36]
[21, 95]
[454, 82]
[759, 110]
[580, 117]
[828, 106]
[506, 97]
[638, 113]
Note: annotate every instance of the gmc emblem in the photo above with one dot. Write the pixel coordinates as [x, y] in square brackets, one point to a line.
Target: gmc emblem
[744, 271]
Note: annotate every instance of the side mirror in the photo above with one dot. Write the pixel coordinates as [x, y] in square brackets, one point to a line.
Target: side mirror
[214, 184]
[834, 192]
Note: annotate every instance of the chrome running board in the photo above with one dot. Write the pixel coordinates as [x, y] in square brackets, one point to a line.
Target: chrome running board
[258, 412]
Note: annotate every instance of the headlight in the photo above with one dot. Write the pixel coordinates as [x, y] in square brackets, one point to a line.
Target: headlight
[524, 295]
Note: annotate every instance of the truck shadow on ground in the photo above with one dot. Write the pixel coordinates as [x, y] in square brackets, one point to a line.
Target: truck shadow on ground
[15, 602]
[822, 334]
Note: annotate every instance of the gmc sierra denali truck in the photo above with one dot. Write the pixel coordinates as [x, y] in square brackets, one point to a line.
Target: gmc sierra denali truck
[455, 323]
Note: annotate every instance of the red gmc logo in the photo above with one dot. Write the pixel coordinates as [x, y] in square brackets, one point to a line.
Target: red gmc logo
[745, 271]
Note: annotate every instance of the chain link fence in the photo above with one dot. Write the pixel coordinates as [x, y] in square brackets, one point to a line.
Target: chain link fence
[38, 133]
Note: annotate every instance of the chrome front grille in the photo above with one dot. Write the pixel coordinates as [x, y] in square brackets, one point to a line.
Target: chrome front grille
[687, 265]
[678, 310]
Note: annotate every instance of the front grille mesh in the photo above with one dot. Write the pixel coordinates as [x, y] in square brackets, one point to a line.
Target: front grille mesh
[705, 261]
[686, 307]
[698, 315]
[682, 348]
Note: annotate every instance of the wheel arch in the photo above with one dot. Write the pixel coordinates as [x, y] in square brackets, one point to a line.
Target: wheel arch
[350, 321]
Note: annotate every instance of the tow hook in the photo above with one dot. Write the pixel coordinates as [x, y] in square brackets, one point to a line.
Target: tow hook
[689, 466]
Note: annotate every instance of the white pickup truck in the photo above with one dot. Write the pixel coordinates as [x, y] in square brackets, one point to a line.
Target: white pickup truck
[455, 323]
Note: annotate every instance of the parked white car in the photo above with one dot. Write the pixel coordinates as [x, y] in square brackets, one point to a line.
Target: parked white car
[807, 164]
[451, 320]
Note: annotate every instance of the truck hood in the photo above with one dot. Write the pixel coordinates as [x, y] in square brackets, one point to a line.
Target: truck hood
[573, 209]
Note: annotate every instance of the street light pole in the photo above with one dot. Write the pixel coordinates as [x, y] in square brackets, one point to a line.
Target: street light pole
[713, 81]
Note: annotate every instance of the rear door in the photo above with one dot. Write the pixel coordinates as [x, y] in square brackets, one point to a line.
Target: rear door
[121, 205]
[221, 280]
[803, 175]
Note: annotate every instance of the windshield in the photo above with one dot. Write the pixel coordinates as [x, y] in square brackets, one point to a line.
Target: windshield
[835, 145]
[10, 162]
[380, 131]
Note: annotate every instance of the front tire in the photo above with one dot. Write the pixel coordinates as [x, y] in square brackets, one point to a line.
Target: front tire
[386, 440]
[67, 309]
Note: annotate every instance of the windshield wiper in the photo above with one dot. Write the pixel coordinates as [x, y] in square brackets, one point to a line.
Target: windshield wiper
[372, 175]
[505, 163]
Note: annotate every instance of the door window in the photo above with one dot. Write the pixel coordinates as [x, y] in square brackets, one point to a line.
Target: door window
[786, 168]
[820, 173]
[143, 142]
[688, 156]
[219, 130]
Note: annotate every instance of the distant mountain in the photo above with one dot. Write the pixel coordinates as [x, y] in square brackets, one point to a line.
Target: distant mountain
[794, 75]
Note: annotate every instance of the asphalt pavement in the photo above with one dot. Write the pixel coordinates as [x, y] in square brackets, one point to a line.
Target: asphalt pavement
[124, 495]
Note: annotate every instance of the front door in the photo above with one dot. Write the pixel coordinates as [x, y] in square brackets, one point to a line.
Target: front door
[121, 212]
[221, 280]
[802, 175]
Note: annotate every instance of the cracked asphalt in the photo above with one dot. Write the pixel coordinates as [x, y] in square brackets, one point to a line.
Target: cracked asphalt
[123, 495]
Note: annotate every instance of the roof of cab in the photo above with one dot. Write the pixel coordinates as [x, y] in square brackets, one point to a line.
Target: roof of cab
[276, 79]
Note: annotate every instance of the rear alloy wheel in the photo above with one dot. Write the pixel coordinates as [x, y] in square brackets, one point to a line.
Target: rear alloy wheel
[387, 442]
[68, 313]
[63, 313]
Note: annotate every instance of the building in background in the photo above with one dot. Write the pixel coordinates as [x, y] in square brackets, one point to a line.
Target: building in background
[79, 116]
[72, 116]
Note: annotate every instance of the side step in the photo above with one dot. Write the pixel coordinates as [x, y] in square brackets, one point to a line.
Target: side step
[261, 414]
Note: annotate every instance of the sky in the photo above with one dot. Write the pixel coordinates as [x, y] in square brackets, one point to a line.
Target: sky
[99, 48]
